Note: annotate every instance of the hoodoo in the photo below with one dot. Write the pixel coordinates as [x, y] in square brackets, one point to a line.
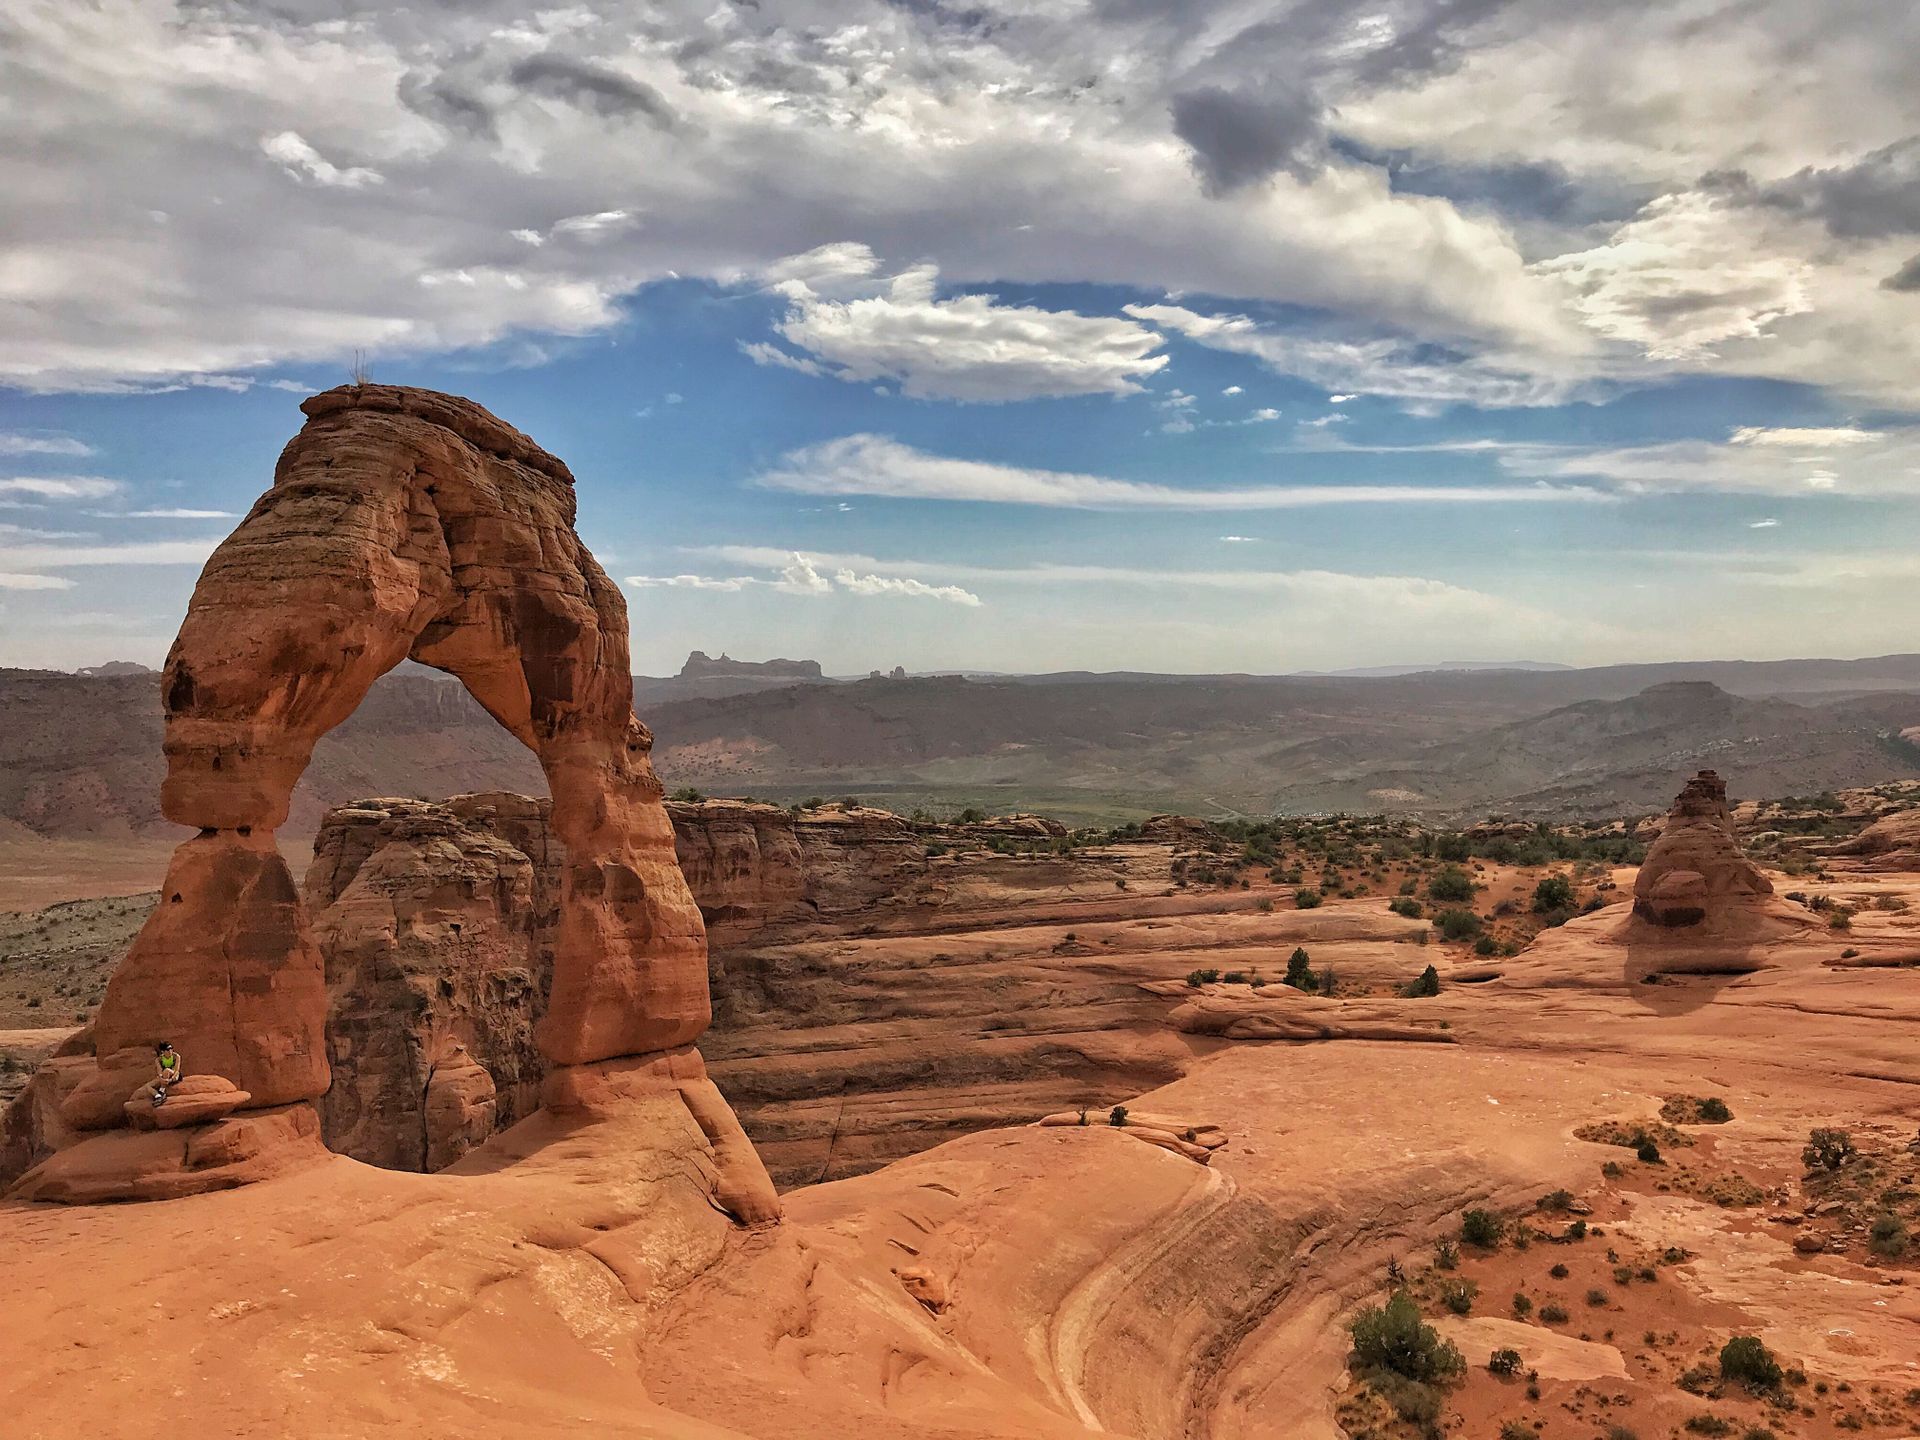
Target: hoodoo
[1696, 871]
[400, 524]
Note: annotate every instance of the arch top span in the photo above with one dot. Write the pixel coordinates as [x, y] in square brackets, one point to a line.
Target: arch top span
[406, 523]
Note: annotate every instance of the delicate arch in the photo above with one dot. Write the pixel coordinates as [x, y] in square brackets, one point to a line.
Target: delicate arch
[401, 523]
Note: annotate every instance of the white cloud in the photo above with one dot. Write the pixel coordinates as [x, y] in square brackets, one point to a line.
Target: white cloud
[1688, 273]
[877, 465]
[303, 162]
[969, 347]
[1339, 399]
[1817, 438]
[799, 574]
[1397, 367]
[139, 552]
[1233, 390]
[59, 487]
[174, 514]
[1239, 539]
[1838, 460]
[15, 442]
[12, 581]
[1767, 524]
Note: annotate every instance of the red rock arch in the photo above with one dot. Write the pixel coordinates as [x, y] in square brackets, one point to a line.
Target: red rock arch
[404, 523]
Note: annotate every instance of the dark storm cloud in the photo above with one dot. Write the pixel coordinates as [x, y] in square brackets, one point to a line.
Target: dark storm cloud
[591, 86]
[1239, 138]
[1906, 279]
[1535, 190]
[1875, 196]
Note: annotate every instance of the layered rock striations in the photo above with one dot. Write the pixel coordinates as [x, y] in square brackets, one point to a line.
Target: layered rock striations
[1696, 872]
[408, 524]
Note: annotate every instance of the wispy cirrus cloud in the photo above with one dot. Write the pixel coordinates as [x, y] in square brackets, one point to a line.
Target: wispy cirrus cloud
[20, 442]
[59, 487]
[799, 574]
[878, 465]
[1755, 460]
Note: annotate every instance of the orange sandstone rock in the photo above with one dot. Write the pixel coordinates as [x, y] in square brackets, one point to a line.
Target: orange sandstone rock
[1696, 867]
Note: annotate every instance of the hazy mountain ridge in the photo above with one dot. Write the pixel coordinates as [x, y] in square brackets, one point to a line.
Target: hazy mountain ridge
[81, 755]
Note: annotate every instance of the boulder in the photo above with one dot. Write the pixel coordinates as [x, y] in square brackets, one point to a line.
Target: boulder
[194, 1100]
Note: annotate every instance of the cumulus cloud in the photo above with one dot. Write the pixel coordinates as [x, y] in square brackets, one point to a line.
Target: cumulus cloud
[303, 162]
[878, 465]
[1906, 279]
[967, 347]
[1685, 275]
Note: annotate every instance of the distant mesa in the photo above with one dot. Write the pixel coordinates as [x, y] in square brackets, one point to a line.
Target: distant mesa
[899, 672]
[702, 666]
[115, 667]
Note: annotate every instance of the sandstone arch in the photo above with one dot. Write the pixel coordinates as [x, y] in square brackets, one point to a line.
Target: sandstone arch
[404, 523]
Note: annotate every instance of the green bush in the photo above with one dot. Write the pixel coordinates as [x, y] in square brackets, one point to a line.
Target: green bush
[1514, 1429]
[1305, 899]
[1409, 908]
[1300, 971]
[1522, 1306]
[1457, 924]
[1887, 1236]
[1458, 1296]
[1197, 978]
[1427, 984]
[1827, 1149]
[1553, 1314]
[1481, 1228]
[1553, 893]
[1393, 1337]
[1117, 1117]
[1745, 1359]
[1486, 945]
[1450, 883]
[1714, 1110]
[1556, 1201]
[1709, 1425]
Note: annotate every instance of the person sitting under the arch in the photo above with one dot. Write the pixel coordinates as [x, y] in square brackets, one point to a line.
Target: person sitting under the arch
[166, 1065]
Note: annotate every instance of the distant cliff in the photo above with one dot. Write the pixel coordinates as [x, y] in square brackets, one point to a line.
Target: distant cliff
[702, 666]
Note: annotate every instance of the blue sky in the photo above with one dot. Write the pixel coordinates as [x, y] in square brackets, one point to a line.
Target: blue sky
[879, 342]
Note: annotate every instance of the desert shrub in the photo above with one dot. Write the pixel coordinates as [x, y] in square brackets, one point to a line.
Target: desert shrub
[1745, 1359]
[1557, 1202]
[1328, 980]
[1522, 1306]
[1695, 1379]
[1827, 1149]
[1553, 893]
[1621, 1432]
[1450, 883]
[1414, 1401]
[1597, 1297]
[1553, 1314]
[1265, 907]
[1457, 924]
[1305, 899]
[1646, 1151]
[1558, 1272]
[1504, 1362]
[1486, 945]
[1300, 971]
[1515, 1429]
[1709, 1425]
[1714, 1111]
[1427, 984]
[1757, 1432]
[1407, 907]
[1458, 1295]
[1197, 978]
[1117, 1116]
[1446, 1255]
[1840, 920]
[1887, 1236]
[1481, 1228]
[1393, 1337]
